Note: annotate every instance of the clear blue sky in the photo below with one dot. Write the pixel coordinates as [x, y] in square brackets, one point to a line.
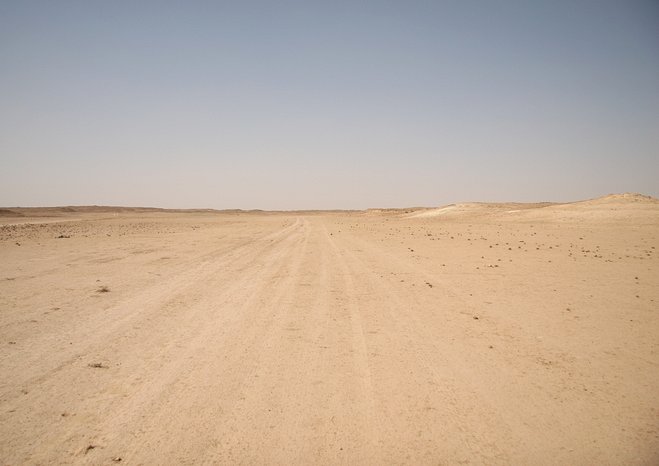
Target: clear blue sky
[282, 105]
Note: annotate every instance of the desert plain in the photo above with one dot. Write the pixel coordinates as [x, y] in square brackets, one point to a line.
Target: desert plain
[469, 334]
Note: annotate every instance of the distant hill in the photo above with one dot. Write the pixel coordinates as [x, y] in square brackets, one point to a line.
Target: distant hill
[60, 211]
[10, 213]
[608, 202]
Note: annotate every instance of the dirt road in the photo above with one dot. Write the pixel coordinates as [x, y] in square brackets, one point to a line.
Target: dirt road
[365, 338]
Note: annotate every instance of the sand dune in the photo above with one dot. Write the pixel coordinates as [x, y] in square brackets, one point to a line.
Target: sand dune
[473, 333]
[614, 203]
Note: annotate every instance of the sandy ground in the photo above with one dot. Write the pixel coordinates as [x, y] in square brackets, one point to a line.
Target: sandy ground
[477, 333]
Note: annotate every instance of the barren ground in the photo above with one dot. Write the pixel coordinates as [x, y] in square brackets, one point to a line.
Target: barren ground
[485, 334]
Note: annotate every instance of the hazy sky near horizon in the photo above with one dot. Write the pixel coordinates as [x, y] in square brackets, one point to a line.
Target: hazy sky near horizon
[290, 105]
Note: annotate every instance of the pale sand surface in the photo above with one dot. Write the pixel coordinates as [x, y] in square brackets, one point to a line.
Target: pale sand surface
[481, 334]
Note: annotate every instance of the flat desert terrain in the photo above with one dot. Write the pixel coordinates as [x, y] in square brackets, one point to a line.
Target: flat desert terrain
[469, 334]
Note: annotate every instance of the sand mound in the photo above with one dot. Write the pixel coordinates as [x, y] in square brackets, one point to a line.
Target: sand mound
[624, 198]
[611, 206]
[476, 209]
[434, 212]
[615, 208]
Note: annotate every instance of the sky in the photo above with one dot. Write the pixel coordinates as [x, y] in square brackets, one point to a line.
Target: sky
[321, 105]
